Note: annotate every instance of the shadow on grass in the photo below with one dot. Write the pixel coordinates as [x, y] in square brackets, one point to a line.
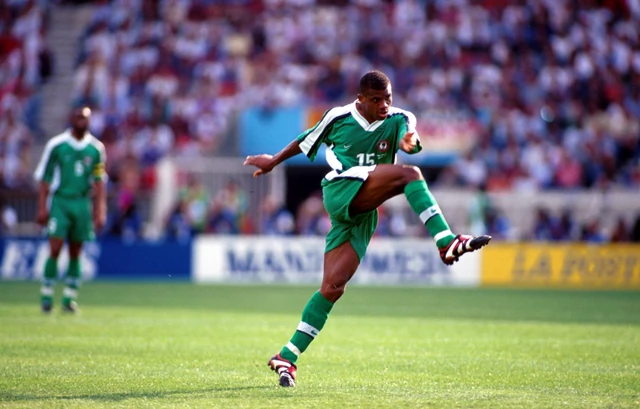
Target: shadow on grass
[120, 396]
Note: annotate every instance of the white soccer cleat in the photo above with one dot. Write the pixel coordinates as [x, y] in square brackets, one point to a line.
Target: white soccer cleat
[285, 370]
[460, 245]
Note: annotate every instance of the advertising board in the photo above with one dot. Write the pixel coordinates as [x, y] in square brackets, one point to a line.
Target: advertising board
[562, 265]
[300, 260]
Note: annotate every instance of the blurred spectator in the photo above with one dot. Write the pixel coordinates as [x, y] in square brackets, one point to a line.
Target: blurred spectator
[397, 223]
[124, 219]
[384, 223]
[569, 228]
[229, 211]
[91, 81]
[195, 199]
[177, 227]
[471, 170]
[15, 148]
[276, 220]
[592, 232]
[312, 219]
[221, 219]
[620, 231]
[635, 231]
[391, 222]
[546, 227]
[498, 225]
[153, 142]
[477, 211]
[568, 172]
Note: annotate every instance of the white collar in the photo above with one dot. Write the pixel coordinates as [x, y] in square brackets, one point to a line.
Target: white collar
[78, 144]
[369, 127]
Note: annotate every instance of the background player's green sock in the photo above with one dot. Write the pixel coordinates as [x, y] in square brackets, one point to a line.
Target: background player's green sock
[48, 281]
[73, 282]
[314, 316]
[424, 204]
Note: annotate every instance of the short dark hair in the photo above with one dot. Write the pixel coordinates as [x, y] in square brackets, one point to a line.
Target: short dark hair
[374, 80]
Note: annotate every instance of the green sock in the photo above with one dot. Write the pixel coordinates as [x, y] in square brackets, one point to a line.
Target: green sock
[424, 204]
[49, 281]
[314, 316]
[73, 282]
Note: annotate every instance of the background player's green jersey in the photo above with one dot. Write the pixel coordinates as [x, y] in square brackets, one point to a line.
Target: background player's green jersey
[71, 166]
[352, 141]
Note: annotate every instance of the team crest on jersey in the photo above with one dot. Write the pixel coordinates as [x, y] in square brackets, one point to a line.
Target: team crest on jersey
[87, 160]
[383, 146]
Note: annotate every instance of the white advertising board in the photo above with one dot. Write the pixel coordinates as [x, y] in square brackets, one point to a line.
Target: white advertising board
[261, 259]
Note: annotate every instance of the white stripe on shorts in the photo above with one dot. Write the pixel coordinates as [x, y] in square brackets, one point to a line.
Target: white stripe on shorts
[356, 172]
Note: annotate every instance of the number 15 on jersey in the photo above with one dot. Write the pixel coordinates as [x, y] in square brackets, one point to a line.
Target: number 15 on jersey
[366, 159]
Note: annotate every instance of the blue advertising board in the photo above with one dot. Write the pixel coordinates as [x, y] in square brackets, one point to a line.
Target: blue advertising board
[144, 260]
[24, 259]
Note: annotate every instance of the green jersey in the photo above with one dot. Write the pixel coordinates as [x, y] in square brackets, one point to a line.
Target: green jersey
[70, 166]
[352, 141]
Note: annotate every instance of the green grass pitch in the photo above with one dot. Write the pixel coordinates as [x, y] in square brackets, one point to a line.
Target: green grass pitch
[147, 345]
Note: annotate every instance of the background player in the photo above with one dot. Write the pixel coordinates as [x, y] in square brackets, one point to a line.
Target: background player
[72, 164]
[362, 140]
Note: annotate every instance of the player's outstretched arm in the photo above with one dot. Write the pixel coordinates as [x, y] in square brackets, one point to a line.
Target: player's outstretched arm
[265, 163]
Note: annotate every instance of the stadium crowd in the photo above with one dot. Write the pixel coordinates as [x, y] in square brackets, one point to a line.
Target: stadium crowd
[25, 64]
[553, 85]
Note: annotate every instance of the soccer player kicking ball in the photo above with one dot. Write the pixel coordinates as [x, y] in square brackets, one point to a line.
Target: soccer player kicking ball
[71, 165]
[362, 139]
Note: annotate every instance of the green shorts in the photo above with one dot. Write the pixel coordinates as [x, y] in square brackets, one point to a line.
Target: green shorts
[338, 191]
[70, 219]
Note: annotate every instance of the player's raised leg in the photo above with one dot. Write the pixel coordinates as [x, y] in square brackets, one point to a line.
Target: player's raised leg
[340, 264]
[387, 181]
[50, 274]
[70, 294]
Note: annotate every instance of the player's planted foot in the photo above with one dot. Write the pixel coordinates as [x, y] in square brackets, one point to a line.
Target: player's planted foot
[460, 245]
[285, 370]
[70, 306]
[46, 307]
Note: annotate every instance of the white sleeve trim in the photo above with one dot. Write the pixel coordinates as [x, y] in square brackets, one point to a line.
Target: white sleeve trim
[310, 140]
[46, 155]
[411, 118]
